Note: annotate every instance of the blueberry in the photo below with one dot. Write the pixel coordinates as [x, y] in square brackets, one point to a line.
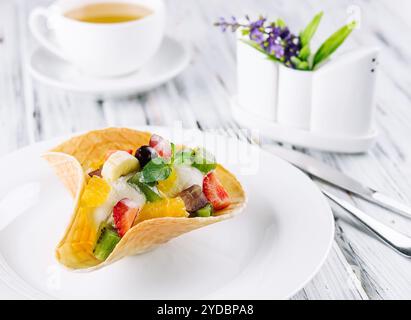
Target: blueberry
[144, 155]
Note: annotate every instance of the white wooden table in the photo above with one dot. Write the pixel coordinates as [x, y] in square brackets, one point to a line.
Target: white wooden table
[359, 266]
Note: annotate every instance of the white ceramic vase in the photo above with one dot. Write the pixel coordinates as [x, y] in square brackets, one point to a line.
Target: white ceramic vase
[336, 100]
[344, 95]
[294, 97]
[257, 79]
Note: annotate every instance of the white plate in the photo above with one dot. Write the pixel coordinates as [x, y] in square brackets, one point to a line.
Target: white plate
[169, 61]
[269, 251]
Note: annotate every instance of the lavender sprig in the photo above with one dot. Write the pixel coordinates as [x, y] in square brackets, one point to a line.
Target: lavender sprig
[276, 41]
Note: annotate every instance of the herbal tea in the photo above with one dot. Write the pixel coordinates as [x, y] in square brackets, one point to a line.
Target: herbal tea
[108, 12]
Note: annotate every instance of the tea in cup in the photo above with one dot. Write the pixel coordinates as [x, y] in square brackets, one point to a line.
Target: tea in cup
[100, 37]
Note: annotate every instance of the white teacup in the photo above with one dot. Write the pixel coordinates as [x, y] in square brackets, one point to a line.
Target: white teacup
[100, 49]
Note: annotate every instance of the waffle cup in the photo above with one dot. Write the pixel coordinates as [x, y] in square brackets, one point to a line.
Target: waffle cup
[72, 160]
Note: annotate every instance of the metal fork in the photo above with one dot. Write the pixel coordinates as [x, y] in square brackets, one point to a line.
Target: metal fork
[396, 240]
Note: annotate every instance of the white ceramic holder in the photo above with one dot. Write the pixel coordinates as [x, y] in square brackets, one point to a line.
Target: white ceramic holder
[330, 109]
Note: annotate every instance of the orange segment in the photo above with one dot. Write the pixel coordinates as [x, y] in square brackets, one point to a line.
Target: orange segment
[163, 208]
[77, 248]
[166, 185]
[95, 193]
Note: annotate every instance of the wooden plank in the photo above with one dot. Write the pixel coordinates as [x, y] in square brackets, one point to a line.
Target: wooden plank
[12, 108]
[334, 282]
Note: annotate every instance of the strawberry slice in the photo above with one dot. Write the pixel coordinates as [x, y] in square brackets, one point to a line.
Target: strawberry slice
[124, 214]
[215, 192]
[161, 145]
[110, 152]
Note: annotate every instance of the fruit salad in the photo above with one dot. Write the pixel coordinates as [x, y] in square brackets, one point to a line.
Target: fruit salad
[154, 181]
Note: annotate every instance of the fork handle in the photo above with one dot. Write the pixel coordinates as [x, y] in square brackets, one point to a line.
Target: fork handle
[394, 239]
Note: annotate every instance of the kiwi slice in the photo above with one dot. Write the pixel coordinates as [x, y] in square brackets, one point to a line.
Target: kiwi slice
[205, 212]
[148, 190]
[106, 242]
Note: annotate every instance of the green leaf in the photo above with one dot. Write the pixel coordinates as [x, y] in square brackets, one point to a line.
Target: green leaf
[307, 34]
[295, 61]
[305, 53]
[332, 43]
[156, 170]
[304, 65]
[184, 157]
[280, 23]
[203, 160]
[300, 65]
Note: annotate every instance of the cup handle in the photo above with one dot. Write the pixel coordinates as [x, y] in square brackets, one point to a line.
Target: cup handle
[37, 20]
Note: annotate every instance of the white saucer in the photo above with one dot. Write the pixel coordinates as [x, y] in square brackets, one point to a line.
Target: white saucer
[169, 61]
[301, 137]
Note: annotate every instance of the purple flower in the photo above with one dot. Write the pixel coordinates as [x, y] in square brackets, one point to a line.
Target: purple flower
[275, 32]
[285, 34]
[277, 41]
[257, 30]
[276, 50]
[257, 35]
[222, 24]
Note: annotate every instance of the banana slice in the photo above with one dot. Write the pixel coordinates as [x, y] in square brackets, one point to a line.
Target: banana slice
[186, 177]
[119, 164]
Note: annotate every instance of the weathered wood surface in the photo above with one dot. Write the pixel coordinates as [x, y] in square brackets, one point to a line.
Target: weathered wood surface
[359, 266]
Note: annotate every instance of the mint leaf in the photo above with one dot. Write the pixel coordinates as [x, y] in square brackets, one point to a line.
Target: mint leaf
[307, 34]
[156, 170]
[203, 160]
[184, 156]
[333, 43]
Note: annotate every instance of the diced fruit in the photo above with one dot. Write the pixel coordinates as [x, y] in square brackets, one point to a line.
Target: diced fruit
[121, 189]
[186, 177]
[95, 192]
[148, 191]
[215, 192]
[203, 160]
[194, 198]
[119, 164]
[124, 214]
[145, 154]
[95, 173]
[167, 185]
[205, 212]
[106, 243]
[164, 208]
[110, 152]
[161, 145]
